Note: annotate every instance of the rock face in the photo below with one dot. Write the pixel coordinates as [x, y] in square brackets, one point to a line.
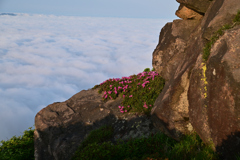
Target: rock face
[218, 103]
[61, 127]
[201, 96]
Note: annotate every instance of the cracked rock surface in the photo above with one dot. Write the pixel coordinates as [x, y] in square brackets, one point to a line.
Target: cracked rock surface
[61, 127]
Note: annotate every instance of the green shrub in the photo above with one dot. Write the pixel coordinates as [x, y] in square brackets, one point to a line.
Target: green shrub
[146, 70]
[18, 148]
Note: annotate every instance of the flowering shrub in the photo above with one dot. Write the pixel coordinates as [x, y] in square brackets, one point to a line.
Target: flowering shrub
[139, 92]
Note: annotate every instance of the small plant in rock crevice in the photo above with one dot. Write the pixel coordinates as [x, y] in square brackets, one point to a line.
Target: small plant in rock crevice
[217, 35]
[139, 92]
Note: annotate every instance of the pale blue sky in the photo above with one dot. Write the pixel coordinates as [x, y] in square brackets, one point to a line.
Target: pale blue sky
[94, 8]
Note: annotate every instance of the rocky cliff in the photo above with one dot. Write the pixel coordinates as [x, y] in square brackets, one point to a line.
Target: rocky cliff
[199, 58]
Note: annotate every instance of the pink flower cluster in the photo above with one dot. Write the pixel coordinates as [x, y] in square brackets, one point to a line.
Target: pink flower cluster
[145, 105]
[122, 109]
[150, 75]
[125, 82]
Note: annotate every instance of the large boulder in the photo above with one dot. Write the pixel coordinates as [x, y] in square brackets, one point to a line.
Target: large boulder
[214, 95]
[61, 127]
[201, 95]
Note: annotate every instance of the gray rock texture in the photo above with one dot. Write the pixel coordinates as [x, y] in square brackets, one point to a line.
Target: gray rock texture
[61, 127]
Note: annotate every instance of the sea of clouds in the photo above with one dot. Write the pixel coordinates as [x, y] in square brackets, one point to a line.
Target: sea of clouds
[46, 59]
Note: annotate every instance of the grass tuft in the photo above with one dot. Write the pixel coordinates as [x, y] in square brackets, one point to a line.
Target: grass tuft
[217, 35]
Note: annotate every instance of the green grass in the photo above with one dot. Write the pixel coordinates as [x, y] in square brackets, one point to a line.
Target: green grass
[18, 148]
[217, 35]
[157, 146]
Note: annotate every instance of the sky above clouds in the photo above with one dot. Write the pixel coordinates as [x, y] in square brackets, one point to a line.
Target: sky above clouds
[94, 8]
[48, 57]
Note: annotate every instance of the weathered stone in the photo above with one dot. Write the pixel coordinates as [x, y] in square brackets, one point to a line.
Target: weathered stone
[61, 127]
[212, 104]
[170, 112]
[172, 43]
[214, 95]
[220, 12]
[200, 6]
[186, 13]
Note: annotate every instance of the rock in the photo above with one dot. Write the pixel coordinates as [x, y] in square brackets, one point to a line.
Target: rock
[200, 6]
[220, 12]
[170, 112]
[61, 127]
[201, 96]
[214, 96]
[186, 13]
[172, 43]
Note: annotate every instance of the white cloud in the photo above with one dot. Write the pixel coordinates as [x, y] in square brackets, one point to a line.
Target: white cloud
[44, 59]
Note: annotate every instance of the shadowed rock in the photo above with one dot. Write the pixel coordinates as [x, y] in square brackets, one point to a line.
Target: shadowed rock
[61, 127]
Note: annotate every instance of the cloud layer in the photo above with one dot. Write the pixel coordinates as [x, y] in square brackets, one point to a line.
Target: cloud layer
[46, 59]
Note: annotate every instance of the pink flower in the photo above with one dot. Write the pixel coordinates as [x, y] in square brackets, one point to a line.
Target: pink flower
[128, 106]
[149, 88]
[125, 110]
[130, 96]
[123, 96]
[110, 97]
[105, 96]
[122, 111]
[110, 86]
[109, 92]
[145, 105]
